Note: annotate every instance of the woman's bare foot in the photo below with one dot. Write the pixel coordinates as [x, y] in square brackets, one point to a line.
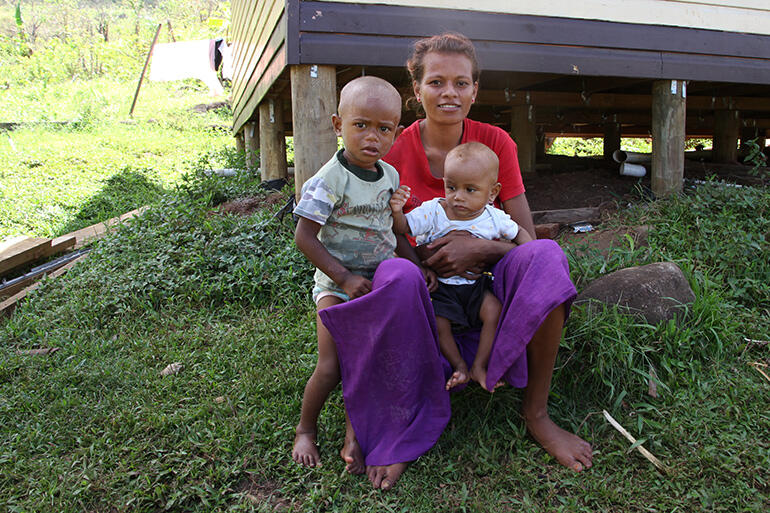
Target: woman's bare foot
[384, 477]
[458, 377]
[352, 455]
[570, 450]
[305, 451]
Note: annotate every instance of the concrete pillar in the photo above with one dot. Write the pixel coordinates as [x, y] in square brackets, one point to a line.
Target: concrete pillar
[726, 128]
[251, 139]
[272, 140]
[668, 135]
[524, 133]
[313, 101]
[611, 138]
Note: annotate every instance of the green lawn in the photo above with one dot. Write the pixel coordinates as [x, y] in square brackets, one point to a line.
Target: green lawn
[95, 427]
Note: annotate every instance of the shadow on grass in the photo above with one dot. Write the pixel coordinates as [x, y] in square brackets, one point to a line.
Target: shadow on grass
[125, 191]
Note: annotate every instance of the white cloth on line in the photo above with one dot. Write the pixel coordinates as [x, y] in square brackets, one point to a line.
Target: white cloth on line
[185, 59]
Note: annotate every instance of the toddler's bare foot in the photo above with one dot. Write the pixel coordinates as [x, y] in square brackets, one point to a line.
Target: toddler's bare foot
[459, 376]
[305, 451]
[479, 375]
[384, 477]
[570, 450]
[352, 455]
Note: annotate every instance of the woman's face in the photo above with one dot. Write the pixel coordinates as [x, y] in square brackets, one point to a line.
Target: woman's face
[447, 89]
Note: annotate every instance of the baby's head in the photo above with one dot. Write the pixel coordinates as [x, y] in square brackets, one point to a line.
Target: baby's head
[470, 178]
[367, 119]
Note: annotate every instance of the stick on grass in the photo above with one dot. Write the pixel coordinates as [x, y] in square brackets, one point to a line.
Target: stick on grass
[647, 454]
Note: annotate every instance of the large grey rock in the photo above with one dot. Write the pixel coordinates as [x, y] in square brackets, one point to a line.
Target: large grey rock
[655, 291]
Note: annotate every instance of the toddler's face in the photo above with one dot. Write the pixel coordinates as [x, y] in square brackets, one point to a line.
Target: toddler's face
[468, 187]
[367, 127]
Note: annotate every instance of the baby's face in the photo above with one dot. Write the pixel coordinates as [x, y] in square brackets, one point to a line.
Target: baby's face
[367, 127]
[468, 187]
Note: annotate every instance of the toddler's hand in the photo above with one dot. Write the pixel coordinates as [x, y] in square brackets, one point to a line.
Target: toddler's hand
[399, 198]
[356, 286]
[431, 279]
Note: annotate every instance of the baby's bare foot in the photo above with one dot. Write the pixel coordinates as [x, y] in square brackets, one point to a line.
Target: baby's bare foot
[384, 477]
[479, 375]
[305, 451]
[352, 455]
[458, 377]
[570, 450]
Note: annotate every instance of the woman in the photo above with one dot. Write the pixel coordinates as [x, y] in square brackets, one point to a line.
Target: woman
[392, 372]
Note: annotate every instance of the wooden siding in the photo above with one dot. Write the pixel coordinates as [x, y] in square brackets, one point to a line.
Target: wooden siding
[378, 35]
[749, 16]
[259, 53]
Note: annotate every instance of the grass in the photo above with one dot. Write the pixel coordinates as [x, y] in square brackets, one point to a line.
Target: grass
[95, 427]
[57, 179]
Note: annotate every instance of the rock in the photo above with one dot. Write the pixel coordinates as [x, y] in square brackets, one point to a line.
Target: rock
[171, 369]
[655, 291]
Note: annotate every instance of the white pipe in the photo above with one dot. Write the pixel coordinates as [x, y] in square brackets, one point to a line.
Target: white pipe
[631, 157]
[627, 169]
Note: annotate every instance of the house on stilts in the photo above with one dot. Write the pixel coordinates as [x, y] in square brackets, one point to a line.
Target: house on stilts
[668, 69]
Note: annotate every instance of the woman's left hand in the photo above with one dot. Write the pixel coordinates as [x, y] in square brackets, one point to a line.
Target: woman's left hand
[457, 253]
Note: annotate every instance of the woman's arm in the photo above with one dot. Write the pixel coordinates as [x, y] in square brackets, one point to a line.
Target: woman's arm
[518, 208]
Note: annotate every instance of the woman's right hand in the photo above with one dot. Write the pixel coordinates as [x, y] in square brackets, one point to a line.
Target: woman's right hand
[355, 285]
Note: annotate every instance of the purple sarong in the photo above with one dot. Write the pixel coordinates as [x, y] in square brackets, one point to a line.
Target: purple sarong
[393, 373]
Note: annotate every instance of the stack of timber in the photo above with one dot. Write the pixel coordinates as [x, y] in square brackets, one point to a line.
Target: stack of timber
[21, 252]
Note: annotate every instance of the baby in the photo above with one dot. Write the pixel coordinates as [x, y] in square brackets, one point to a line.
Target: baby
[345, 230]
[470, 186]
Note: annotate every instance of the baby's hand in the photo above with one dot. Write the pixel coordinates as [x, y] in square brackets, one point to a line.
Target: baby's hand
[399, 198]
[459, 376]
[431, 279]
[356, 286]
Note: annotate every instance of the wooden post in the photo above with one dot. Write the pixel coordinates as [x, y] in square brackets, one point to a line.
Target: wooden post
[272, 141]
[726, 127]
[313, 101]
[668, 135]
[751, 132]
[251, 139]
[611, 137]
[524, 133]
[144, 70]
[240, 147]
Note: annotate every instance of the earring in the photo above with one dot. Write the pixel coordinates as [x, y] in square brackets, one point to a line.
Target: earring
[419, 100]
[473, 100]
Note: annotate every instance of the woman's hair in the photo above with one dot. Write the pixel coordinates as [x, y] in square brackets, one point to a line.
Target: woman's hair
[449, 42]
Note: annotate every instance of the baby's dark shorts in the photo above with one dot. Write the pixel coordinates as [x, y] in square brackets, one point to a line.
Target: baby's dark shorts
[461, 303]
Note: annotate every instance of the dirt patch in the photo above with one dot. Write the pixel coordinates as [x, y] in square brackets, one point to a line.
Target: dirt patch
[263, 492]
[603, 241]
[247, 206]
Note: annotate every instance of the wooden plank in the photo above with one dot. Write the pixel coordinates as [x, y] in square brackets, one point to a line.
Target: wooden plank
[84, 235]
[274, 70]
[567, 215]
[9, 305]
[20, 251]
[746, 18]
[524, 133]
[258, 45]
[415, 22]
[17, 284]
[272, 63]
